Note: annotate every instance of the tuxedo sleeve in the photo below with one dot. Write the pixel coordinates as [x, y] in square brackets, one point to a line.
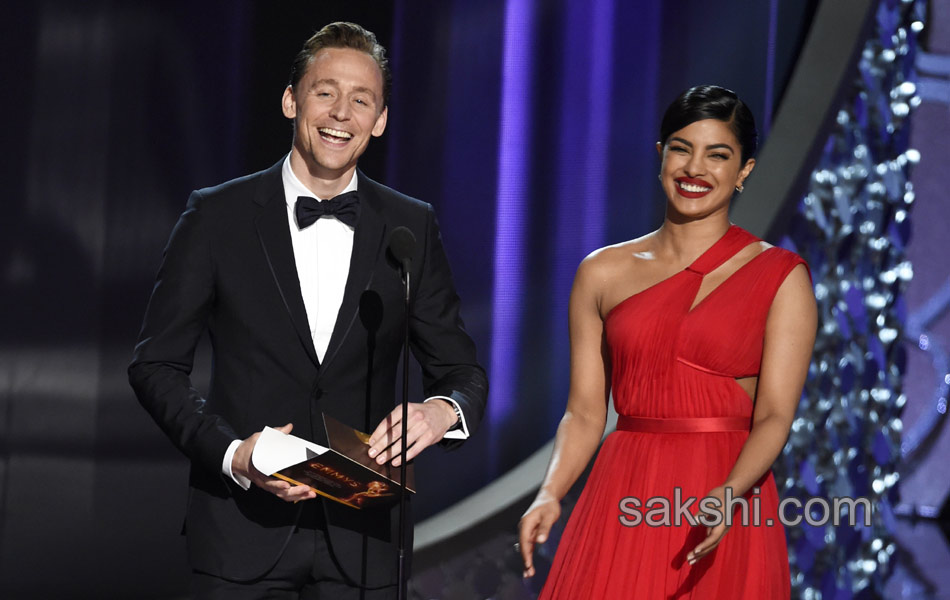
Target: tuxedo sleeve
[439, 341]
[178, 314]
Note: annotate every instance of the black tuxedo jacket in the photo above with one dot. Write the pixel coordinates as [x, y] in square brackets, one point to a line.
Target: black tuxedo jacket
[229, 269]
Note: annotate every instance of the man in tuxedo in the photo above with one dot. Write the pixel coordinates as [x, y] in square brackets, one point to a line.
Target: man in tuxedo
[288, 271]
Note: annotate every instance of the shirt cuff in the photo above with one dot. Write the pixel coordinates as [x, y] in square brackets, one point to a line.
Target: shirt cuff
[244, 482]
[454, 434]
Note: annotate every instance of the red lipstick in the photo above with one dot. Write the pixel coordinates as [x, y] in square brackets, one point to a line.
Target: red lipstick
[700, 187]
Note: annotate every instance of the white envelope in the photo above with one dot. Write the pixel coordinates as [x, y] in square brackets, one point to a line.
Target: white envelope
[275, 451]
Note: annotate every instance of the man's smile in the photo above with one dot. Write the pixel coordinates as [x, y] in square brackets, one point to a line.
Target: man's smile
[334, 136]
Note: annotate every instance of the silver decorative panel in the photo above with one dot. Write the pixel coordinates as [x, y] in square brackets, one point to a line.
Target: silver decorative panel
[852, 227]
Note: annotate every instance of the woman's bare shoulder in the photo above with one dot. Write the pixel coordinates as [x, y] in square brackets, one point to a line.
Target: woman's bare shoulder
[604, 264]
[619, 255]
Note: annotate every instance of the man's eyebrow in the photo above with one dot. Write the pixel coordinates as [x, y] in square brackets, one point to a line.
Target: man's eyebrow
[335, 83]
[365, 90]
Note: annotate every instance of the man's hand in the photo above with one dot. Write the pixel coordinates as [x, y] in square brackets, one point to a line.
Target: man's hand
[241, 464]
[427, 424]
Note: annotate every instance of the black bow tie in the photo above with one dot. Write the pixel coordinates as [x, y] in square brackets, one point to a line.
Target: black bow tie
[345, 207]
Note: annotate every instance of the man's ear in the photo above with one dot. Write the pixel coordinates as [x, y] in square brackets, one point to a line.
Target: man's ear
[288, 103]
[380, 126]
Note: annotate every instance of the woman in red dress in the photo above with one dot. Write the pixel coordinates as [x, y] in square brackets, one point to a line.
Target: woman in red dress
[702, 333]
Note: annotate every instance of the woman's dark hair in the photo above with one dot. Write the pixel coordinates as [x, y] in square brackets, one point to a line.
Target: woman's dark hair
[711, 102]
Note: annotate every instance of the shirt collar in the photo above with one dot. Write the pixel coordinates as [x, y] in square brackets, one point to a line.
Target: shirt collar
[293, 187]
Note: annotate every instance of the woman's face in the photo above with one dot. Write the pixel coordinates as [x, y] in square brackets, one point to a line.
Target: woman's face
[701, 168]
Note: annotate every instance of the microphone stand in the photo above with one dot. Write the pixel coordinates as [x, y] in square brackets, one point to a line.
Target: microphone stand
[403, 492]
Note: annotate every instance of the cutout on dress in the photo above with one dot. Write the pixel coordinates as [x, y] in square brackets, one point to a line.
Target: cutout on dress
[714, 279]
[749, 384]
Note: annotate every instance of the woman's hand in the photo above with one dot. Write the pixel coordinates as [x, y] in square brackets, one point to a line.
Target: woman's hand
[535, 526]
[714, 533]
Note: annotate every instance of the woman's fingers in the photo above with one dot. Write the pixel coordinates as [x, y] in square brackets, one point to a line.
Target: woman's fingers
[535, 527]
[713, 537]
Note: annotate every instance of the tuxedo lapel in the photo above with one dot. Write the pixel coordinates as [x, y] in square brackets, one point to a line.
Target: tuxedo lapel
[273, 231]
[367, 244]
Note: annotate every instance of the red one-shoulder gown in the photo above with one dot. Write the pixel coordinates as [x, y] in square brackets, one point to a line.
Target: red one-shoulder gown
[683, 421]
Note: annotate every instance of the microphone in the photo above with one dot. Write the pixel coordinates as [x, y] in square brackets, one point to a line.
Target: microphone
[401, 245]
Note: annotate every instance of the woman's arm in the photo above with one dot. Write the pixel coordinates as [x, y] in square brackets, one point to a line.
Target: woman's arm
[789, 340]
[582, 426]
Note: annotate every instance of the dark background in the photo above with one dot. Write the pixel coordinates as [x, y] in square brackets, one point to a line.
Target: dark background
[115, 111]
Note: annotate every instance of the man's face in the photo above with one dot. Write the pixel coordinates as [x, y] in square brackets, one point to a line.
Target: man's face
[336, 106]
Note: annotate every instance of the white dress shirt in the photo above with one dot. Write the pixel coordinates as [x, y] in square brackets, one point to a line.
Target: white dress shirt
[322, 254]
